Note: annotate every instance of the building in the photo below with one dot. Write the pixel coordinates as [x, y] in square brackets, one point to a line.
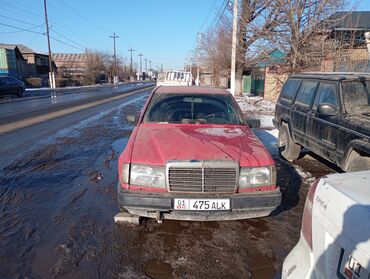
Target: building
[36, 64]
[12, 62]
[345, 42]
[71, 65]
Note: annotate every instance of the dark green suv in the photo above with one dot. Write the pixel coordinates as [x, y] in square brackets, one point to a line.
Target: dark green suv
[327, 113]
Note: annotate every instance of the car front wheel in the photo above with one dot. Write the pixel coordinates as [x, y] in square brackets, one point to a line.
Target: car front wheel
[20, 92]
[288, 149]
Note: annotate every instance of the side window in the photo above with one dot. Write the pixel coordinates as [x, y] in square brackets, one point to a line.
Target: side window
[306, 93]
[326, 94]
[290, 89]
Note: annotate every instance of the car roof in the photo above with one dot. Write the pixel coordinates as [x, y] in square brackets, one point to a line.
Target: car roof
[190, 90]
[333, 76]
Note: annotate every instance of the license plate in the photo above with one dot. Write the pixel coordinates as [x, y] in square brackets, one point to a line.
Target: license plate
[202, 204]
[349, 268]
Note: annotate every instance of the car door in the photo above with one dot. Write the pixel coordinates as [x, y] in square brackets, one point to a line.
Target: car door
[322, 130]
[301, 106]
[6, 86]
[12, 85]
[2, 85]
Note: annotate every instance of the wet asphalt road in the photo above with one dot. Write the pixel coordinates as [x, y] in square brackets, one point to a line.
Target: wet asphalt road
[58, 199]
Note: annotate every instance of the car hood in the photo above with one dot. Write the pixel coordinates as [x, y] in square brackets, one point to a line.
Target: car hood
[156, 143]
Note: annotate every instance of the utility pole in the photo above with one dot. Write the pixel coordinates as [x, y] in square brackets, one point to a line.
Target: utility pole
[146, 65]
[131, 50]
[115, 78]
[141, 65]
[197, 81]
[51, 70]
[150, 64]
[233, 49]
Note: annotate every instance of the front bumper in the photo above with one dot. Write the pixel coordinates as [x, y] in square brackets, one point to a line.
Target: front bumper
[242, 206]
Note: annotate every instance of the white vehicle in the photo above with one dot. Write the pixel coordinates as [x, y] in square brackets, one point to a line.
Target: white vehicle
[335, 232]
[180, 78]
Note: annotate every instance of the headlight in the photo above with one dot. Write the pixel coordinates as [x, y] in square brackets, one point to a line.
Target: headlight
[256, 177]
[124, 178]
[147, 176]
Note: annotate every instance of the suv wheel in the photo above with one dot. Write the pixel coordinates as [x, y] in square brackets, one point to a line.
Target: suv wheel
[20, 92]
[359, 163]
[287, 147]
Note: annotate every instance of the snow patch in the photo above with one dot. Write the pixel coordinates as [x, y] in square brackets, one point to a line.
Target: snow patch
[221, 132]
[255, 104]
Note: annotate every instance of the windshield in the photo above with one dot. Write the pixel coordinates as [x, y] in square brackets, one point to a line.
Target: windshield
[193, 109]
[356, 97]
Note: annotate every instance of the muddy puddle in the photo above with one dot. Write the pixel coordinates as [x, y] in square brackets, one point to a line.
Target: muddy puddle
[56, 219]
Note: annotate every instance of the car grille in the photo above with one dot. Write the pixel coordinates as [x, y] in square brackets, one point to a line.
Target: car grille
[202, 177]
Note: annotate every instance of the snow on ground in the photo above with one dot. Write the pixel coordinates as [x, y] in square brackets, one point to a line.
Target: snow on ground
[255, 104]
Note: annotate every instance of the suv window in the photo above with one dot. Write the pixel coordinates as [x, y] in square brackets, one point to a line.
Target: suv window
[326, 93]
[193, 109]
[290, 89]
[356, 96]
[306, 92]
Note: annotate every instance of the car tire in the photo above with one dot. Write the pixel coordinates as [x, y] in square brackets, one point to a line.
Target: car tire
[358, 164]
[288, 149]
[20, 92]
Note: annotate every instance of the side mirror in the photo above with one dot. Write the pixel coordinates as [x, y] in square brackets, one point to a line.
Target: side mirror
[253, 122]
[327, 110]
[133, 119]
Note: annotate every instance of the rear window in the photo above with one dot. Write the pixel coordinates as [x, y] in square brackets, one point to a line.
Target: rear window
[289, 89]
[193, 109]
[356, 96]
[306, 92]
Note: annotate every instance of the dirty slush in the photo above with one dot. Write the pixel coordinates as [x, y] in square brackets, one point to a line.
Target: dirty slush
[56, 218]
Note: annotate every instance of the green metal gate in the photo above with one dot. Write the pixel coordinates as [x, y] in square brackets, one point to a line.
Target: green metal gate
[247, 84]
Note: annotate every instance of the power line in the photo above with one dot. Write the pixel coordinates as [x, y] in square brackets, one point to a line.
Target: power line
[209, 13]
[84, 17]
[54, 23]
[21, 21]
[22, 29]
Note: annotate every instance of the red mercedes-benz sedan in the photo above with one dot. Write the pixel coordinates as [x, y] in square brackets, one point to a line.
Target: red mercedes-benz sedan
[192, 156]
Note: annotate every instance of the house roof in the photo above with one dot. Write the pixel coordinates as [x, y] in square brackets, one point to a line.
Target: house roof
[69, 57]
[358, 20]
[22, 48]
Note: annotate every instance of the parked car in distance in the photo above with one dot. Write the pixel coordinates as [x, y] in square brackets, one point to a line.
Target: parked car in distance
[11, 86]
[193, 157]
[335, 232]
[327, 113]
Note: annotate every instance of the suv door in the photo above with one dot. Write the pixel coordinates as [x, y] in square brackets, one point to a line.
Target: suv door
[301, 106]
[322, 130]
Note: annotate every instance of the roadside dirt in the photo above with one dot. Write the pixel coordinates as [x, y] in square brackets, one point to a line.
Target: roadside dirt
[56, 218]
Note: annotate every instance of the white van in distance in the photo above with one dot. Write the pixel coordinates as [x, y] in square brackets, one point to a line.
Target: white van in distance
[173, 78]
